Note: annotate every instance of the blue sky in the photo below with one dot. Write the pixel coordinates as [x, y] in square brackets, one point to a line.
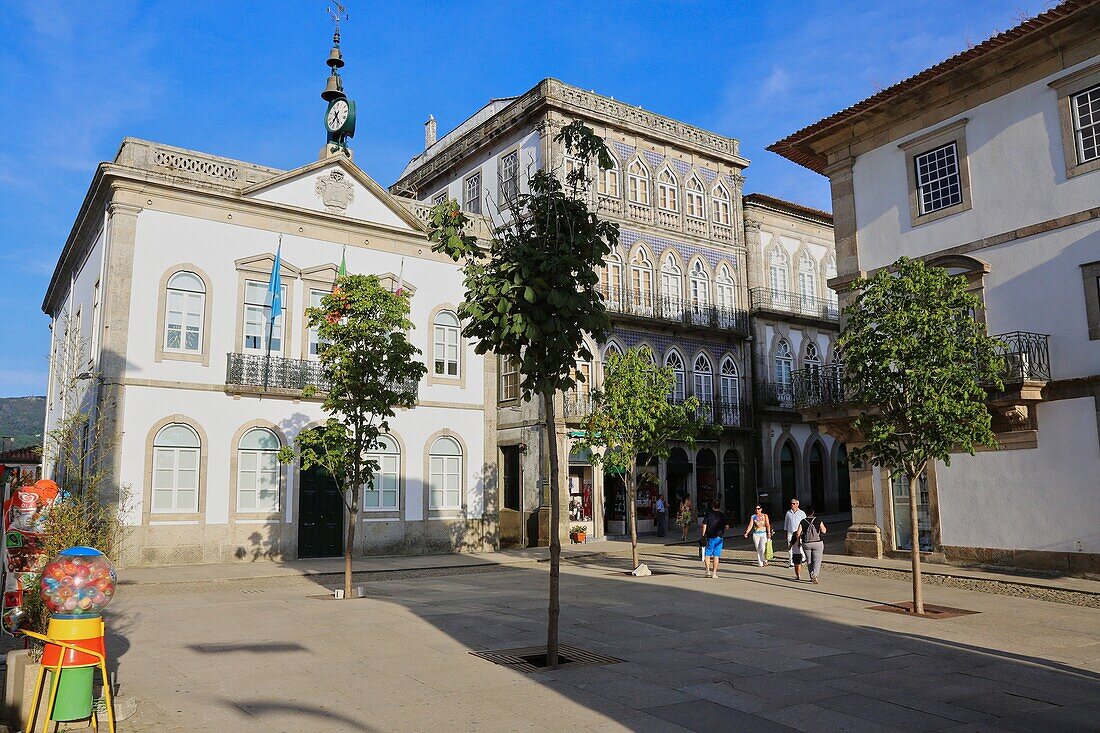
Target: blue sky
[242, 79]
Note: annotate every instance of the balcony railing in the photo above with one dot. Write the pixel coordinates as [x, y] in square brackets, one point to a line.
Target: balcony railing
[784, 301]
[1026, 356]
[644, 304]
[775, 395]
[726, 414]
[1026, 359]
[259, 373]
[577, 404]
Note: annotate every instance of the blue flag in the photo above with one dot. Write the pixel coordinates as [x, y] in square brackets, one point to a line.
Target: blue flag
[275, 286]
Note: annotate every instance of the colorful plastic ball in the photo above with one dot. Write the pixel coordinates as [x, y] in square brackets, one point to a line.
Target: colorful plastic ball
[80, 581]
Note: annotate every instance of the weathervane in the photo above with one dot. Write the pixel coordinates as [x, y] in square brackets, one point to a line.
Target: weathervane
[340, 114]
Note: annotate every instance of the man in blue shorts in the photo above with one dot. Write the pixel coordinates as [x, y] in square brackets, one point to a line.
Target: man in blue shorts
[714, 526]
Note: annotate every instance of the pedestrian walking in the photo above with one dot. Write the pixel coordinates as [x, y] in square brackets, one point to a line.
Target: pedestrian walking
[714, 527]
[790, 525]
[761, 528]
[685, 518]
[810, 533]
[662, 516]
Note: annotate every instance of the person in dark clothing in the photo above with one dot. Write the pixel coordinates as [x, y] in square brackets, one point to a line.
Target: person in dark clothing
[714, 526]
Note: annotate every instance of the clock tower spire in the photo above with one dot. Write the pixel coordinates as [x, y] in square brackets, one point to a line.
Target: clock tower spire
[340, 113]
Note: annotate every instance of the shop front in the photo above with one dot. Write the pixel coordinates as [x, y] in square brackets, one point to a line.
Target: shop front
[582, 499]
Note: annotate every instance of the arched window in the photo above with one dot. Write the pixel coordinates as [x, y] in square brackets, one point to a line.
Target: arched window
[176, 453]
[807, 280]
[729, 393]
[700, 293]
[446, 354]
[611, 350]
[694, 199]
[641, 283]
[638, 183]
[674, 362]
[779, 277]
[720, 205]
[829, 272]
[784, 362]
[258, 471]
[445, 469]
[704, 382]
[382, 492]
[726, 292]
[185, 308]
[672, 289]
[811, 357]
[583, 386]
[667, 197]
[611, 278]
[608, 180]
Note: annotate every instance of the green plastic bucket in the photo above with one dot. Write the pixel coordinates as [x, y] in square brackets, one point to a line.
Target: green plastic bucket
[74, 694]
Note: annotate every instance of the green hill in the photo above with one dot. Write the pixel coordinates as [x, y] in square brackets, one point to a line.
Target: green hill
[22, 418]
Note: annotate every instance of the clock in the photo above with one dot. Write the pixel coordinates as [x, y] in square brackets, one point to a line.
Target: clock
[337, 115]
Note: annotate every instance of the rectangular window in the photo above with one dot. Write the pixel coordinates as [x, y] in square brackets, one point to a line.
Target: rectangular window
[1086, 124]
[256, 326]
[509, 176]
[258, 481]
[382, 494]
[509, 379]
[939, 184]
[445, 475]
[472, 194]
[183, 325]
[175, 479]
[903, 538]
[440, 198]
[315, 341]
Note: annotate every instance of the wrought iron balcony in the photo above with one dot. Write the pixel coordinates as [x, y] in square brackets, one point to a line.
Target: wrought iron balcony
[726, 414]
[783, 301]
[261, 373]
[775, 395]
[644, 304]
[577, 404]
[1026, 360]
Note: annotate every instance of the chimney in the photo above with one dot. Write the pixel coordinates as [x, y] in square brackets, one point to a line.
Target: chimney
[429, 132]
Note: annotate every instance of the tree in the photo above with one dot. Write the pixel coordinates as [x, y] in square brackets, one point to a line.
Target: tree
[633, 414]
[914, 354]
[532, 295]
[368, 367]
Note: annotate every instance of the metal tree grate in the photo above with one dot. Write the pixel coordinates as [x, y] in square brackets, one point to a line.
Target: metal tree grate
[527, 659]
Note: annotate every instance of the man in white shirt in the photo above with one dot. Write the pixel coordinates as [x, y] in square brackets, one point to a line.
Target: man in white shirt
[790, 523]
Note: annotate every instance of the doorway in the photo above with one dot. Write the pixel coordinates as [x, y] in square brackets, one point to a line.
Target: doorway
[817, 478]
[843, 482]
[731, 476]
[706, 478]
[320, 515]
[787, 474]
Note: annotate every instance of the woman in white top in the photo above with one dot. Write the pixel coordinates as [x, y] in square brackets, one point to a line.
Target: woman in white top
[761, 527]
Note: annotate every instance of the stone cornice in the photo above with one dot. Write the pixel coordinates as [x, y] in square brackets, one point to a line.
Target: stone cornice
[555, 95]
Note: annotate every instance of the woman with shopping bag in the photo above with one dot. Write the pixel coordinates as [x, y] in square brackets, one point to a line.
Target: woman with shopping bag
[761, 528]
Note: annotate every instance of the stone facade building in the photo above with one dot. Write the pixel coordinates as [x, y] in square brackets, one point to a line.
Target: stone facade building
[987, 164]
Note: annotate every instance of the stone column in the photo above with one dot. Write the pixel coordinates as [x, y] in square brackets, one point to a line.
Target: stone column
[864, 537]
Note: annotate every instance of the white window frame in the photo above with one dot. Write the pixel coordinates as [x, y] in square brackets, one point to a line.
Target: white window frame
[720, 205]
[172, 456]
[191, 307]
[471, 199]
[784, 363]
[388, 458]
[641, 283]
[807, 278]
[950, 137]
[314, 341]
[447, 346]
[264, 461]
[637, 189]
[509, 176]
[668, 197]
[703, 374]
[1069, 89]
[694, 199]
[676, 362]
[608, 181]
[1093, 128]
[444, 477]
[509, 379]
[261, 309]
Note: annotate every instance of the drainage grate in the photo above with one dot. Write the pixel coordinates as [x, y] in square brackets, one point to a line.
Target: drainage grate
[530, 659]
[252, 590]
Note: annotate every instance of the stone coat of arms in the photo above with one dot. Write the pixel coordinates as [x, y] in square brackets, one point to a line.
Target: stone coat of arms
[336, 191]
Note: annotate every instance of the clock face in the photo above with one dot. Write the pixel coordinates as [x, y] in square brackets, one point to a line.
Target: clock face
[337, 115]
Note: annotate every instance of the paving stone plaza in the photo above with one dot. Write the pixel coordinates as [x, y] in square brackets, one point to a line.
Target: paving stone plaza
[750, 650]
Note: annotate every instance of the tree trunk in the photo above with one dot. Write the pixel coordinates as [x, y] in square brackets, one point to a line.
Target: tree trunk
[632, 512]
[918, 596]
[353, 519]
[554, 610]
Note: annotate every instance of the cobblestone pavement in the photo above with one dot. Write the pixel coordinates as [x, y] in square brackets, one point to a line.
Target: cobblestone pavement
[751, 650]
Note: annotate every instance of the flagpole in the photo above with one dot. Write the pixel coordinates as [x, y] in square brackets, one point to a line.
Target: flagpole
[275, 297]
